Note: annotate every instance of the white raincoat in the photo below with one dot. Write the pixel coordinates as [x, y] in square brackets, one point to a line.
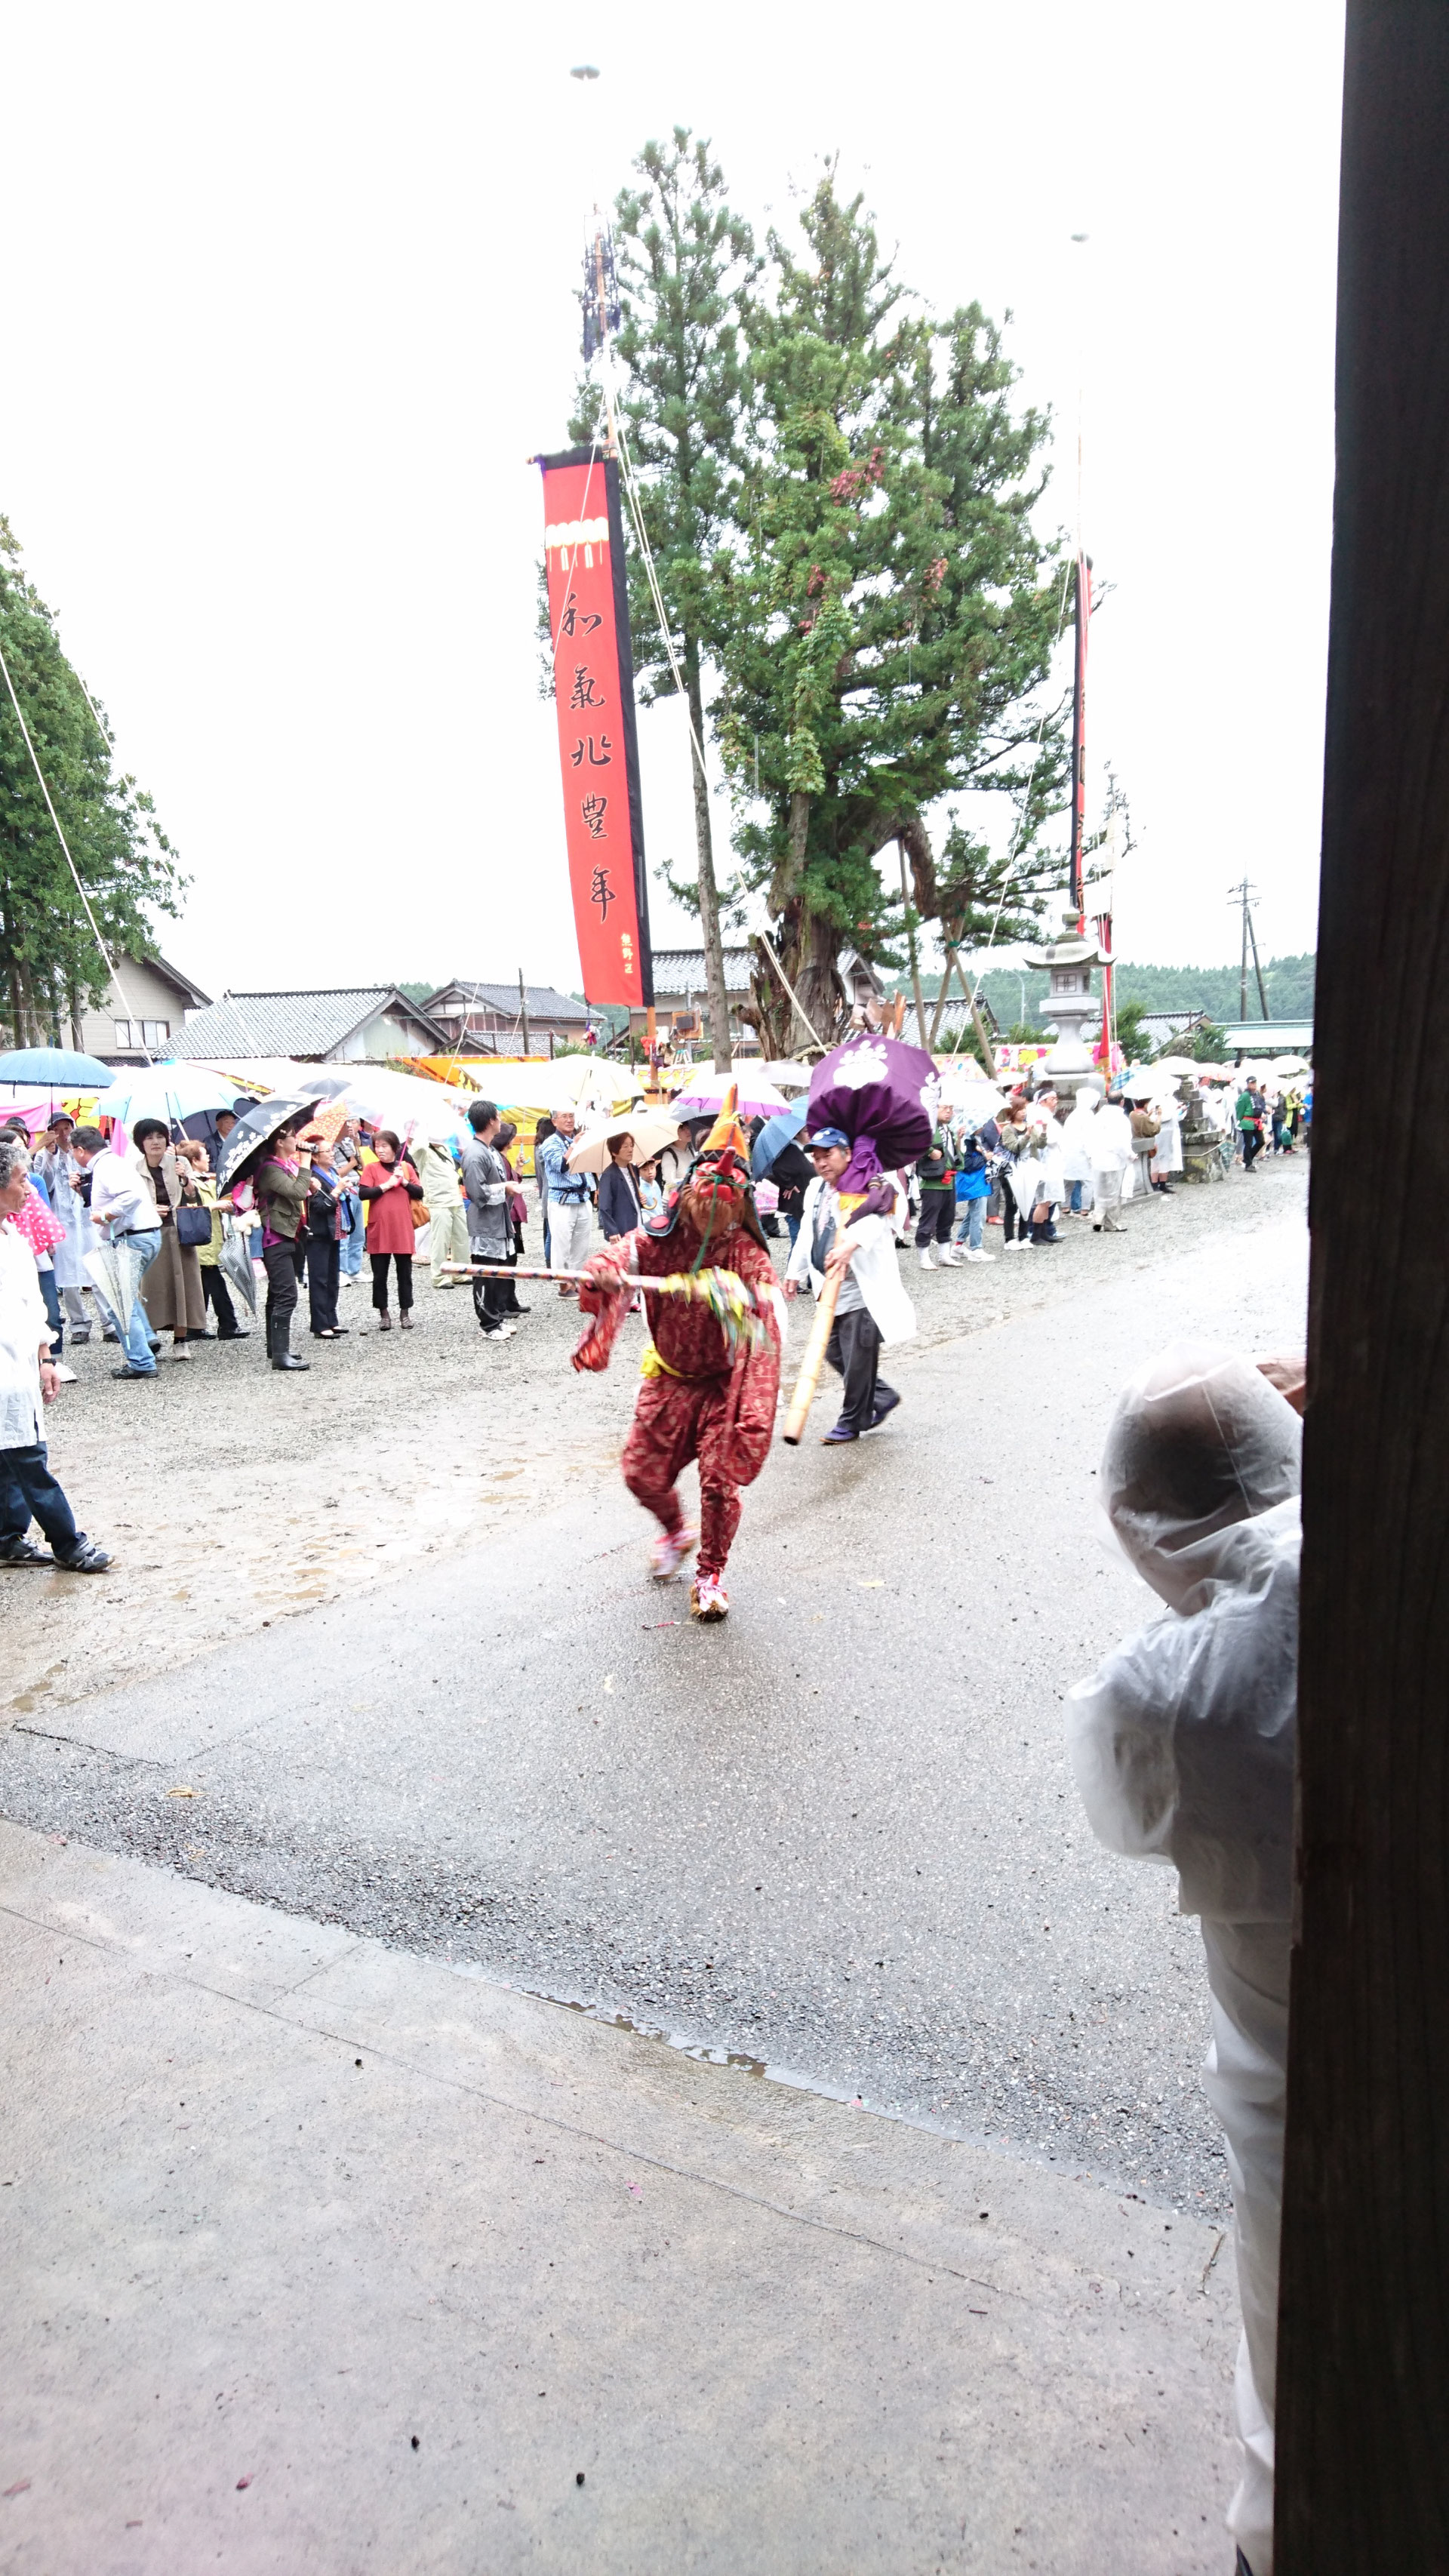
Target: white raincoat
[1182, 1746]
[1037, 1172]
[60, 1173]
[23, 1327]
[875, 1269]
[1077, 1128]
[1168, 1157]
[1112, 1143]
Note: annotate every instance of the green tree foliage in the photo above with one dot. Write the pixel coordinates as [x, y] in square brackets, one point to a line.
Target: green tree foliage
[686, 263]
[50, 965]
[883, 616]
[1135, 1047]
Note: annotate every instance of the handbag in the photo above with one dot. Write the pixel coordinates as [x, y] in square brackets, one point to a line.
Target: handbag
[193, 1226]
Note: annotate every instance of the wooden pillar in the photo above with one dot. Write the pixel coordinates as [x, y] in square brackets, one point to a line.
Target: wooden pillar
[1363, 2382]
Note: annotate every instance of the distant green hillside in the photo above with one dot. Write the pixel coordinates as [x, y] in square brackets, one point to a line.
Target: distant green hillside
[1214, 989]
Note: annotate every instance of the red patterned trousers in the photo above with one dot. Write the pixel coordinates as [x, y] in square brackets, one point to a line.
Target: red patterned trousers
[725, 1426]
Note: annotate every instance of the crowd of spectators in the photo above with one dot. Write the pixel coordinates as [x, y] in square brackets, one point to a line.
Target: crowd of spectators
[325, 1195]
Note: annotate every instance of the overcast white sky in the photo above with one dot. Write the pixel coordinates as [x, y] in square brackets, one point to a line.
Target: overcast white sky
[289, 304]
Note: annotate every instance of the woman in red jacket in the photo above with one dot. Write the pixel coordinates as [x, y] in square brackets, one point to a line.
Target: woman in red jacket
[389, 1185]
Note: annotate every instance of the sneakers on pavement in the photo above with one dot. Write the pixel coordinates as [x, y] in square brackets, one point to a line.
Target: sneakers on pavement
[708, 1599]
[88, 1559]
[669, 1552]
[23, 1551]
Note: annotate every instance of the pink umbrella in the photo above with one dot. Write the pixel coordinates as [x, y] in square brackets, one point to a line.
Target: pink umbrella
[705, 1099]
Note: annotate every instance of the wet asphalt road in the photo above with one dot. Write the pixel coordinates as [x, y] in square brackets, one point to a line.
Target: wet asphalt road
[836, 1836]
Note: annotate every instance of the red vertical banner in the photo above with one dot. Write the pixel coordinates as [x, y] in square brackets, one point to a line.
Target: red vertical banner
[593, 674]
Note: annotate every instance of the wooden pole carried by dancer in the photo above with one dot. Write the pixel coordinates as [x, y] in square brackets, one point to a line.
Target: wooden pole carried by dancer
[812, 1363]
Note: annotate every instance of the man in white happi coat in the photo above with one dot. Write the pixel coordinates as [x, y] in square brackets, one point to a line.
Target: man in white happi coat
[871, 1306]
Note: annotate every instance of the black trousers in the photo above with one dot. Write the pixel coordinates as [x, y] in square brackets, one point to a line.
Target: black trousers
[1252, 1146]
[324, 1268]
[854, 1350]
[218, 1297]
[493, 1299]
[404, 1262]
[938, 1215]
[282, 1262]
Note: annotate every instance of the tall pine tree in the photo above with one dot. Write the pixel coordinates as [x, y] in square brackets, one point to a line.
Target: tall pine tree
[883, 617]
[685, 264]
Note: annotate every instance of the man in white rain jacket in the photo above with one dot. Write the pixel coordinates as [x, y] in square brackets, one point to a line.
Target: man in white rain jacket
[1182, 1745]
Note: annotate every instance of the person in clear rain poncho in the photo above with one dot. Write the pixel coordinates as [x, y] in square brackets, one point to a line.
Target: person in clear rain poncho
[1182, 1747]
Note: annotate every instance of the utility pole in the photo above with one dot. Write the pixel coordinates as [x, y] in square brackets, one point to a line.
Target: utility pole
[523, 1008]
[1246, 896]
[1257, 969]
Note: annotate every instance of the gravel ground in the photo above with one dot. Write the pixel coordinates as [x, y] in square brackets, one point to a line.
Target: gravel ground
[836, 1836]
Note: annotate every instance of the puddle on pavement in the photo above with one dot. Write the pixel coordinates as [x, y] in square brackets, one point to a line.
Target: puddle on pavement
[705, 2054]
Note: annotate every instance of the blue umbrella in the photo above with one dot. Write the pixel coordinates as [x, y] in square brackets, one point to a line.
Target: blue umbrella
[59, 1065]
[170, 1092]
[775, 1135]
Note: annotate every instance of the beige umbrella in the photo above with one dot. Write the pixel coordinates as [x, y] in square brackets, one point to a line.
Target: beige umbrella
[651, 1129]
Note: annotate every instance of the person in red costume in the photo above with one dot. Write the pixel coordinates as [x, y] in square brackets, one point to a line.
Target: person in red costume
[701, 1397]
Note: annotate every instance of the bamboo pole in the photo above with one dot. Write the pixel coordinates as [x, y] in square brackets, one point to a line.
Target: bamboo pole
[812, 1363]
[672, 1283]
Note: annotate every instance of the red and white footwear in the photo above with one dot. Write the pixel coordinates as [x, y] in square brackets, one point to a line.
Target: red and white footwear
[669, 1552]
[708, 1598]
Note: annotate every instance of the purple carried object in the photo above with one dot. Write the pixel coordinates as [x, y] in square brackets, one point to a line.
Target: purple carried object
[885, 1095]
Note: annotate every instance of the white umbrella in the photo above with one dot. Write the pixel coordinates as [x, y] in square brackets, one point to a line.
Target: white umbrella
[973, 1103]
[700, 1099]
[433, 1110]
[256, 1075]
[786, 1076]
[651, 1129]
[169, 1092]
[571, 1082]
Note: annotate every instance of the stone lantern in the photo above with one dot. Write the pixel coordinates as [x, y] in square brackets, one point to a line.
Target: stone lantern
[1070, 1003]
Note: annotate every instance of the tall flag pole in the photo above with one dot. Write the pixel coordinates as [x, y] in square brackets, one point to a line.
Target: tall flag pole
[1079, 735]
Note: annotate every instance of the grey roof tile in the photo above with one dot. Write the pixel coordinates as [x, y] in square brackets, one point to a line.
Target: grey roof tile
[297, 1024]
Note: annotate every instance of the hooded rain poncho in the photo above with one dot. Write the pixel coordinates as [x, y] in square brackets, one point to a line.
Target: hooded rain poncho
[1182, 1745]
